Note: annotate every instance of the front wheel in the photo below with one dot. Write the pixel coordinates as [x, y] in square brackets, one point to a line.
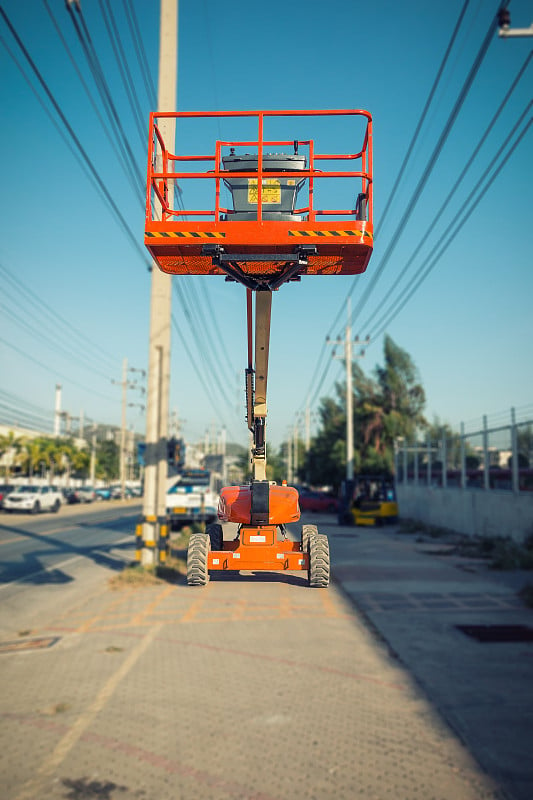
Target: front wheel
[36, 507]
[216, 536]
[197, 555]
[319, 563]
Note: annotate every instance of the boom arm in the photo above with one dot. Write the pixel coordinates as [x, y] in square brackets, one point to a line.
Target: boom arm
[256, 390]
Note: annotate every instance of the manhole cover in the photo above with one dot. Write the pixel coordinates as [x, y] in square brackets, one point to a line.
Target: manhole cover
[498, 633]
[28, 644]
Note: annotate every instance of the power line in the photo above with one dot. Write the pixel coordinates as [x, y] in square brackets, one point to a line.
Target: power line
[208, 390]
[410, 206]
[122, 62]
[53, 316]
[424, 112]
[85, 40]
[111, 139]
[459, 221]
[54, 372]
[129, 233]
[452, 191]
[141, 54]
[429, 167]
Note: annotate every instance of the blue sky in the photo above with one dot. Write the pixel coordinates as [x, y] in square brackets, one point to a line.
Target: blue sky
[468, 327]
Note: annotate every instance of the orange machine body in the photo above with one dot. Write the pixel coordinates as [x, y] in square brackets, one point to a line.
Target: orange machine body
[258, 548]
[235, 505]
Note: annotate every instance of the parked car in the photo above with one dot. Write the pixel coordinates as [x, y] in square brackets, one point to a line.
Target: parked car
[86, 494]
[317, 501]
[103, 493]
[70, 496]
[33, 499]
[5, 489]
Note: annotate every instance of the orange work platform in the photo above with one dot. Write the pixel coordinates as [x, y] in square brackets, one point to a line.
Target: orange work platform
[277, 223]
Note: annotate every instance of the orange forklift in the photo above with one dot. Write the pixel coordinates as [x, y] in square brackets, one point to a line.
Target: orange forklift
[273, 231]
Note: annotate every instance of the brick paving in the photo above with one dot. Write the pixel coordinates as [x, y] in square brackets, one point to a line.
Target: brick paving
[252, 687]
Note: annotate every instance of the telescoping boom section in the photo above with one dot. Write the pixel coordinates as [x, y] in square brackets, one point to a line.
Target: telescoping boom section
[261, 209]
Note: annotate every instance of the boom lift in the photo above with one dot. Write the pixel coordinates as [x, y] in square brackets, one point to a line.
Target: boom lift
[263, 241]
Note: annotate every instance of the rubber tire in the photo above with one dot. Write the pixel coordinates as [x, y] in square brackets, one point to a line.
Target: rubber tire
[197, 553]
[319, 562]
[216, 536]
[56, 506]
[36, 508]
[307, 532]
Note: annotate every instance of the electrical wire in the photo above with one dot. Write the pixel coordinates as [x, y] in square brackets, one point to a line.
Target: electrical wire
[84, 37]
[201, 344]
[127, 230]
[54, 372]
[140, 53]
[451, 194]
[208, 390]
[52, 317]
[111, 139]
[42, 337]
[410, 206]
[429, 167]
[122, 63]
[458, 221]
[422, 118]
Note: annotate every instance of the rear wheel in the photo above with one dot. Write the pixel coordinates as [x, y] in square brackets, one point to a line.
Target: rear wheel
[197, 554]
[307, 531]
[216, 536]
[319, 564]
[55, 507]
[36, 507]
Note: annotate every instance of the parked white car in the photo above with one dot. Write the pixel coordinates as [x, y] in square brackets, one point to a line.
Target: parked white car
[33, 499]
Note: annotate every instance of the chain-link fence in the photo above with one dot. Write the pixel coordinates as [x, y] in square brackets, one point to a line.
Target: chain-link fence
[498, 457]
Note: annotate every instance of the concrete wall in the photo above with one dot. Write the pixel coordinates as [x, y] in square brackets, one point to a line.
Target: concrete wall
[474, 512]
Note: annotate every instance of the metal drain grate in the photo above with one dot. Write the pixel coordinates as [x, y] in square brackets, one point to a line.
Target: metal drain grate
[498, 633]
[28, 644]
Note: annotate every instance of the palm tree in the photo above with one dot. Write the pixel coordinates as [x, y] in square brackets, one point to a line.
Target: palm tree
[8, 443]
[32, 456]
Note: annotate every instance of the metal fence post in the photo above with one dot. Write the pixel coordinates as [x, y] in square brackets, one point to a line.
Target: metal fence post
[405, 462]
[514, 451]
[463, 457]
[416, 463]
[444, 463]
[428, 448]
[486, 466]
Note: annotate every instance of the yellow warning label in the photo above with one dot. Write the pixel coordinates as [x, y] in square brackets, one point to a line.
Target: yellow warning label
[271, 191]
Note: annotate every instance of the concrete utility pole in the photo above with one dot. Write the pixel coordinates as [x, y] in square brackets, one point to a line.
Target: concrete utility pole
[348, 358]
[125, 386]
[93, 455]
[57, 414]
[151, 539]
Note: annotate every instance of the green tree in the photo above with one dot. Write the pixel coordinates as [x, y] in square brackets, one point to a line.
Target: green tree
[107, 460]
[325, 463]
[387, 404]
[10, 444]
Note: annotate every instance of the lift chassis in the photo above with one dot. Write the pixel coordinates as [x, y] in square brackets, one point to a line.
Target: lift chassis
[263, 241]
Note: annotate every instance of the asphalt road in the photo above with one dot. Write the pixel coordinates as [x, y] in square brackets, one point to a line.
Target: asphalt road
[44, 558]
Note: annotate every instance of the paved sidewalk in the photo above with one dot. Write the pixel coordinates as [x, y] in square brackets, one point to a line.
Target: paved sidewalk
[259, 687]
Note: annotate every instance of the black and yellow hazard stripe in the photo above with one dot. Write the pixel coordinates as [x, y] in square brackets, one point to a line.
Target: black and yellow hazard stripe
[185, 235]
[331, 234]
[162, 543]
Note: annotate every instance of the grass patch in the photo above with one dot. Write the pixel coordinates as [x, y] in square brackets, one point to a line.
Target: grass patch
[137, 576]
[500, 552]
